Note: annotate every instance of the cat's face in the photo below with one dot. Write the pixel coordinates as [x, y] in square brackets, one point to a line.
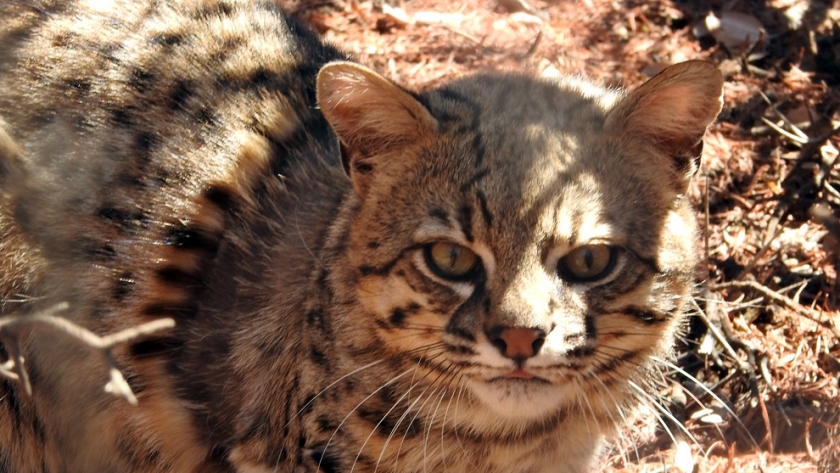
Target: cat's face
[520, 238]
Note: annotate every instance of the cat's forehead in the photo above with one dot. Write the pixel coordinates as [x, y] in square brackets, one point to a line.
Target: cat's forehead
[514, 103]
[530, 160]
[523, 129]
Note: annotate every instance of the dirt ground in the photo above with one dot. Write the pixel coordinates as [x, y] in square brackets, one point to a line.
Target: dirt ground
[755, 386]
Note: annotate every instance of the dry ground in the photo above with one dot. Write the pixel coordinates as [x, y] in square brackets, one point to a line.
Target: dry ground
[766, 335]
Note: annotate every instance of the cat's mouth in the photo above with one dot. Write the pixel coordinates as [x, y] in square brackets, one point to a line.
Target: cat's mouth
[519, 373]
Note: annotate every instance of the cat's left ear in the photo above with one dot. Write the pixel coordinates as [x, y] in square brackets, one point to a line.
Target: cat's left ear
[372, 117]
[672, 111]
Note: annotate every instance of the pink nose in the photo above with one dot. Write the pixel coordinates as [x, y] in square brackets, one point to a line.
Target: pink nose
[519, 344]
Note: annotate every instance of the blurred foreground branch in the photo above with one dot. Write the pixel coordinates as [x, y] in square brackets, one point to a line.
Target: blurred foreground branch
[14, 368]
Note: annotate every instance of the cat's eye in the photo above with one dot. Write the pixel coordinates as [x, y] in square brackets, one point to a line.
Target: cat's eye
[588, 263]
[450, 260]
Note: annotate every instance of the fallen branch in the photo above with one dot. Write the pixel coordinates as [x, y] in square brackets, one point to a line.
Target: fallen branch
[14, 367]
[823, 319]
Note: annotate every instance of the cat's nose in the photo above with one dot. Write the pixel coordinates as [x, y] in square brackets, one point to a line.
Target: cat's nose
[517, 343]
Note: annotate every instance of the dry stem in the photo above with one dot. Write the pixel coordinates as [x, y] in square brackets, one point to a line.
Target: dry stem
[823, 319]
[14, 368]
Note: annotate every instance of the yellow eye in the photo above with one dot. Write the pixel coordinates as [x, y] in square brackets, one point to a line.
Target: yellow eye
[451, 261]
[587, 263]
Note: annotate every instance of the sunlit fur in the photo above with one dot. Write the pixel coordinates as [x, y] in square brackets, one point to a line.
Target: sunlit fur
[212, 162]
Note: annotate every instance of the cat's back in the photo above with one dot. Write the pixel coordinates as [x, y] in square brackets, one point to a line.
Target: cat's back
[135, 138]
[123, 118]
[189, 62]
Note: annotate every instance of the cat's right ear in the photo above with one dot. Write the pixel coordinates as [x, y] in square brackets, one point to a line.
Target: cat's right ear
[371, 116]
[672, 111]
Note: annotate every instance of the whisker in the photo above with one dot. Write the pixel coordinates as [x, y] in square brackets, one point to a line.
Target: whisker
[300, 411]
[625, 420]
[592, 411]
[327, 446]
[667, 414]
[419, 410]
[661, 420]
[396, 426]
[443, 430]
[455, 422]
[697, 400]
[406, 413]
[396, 403]
[455, 382]
[615, 402]
[431, 423]
[578, 395]
[410, 335]
[712, 394]
[428, 347]
[419, 326]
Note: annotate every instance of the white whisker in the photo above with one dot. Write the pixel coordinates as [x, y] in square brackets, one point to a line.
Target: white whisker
[328, 387]
[327, 446]
[455, 421]
[396, 403]
[419, 410]
[594, 416]
[710, 393]
[666, 413]
[394, 430]
[619, 426]
[432, 416]
[443, 431]
[399, 422]
[578, 395]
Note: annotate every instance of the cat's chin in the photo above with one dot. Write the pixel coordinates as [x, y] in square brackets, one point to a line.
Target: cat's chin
[522, 399]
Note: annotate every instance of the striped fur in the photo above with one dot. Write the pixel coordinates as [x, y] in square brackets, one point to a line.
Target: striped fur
[213, 162]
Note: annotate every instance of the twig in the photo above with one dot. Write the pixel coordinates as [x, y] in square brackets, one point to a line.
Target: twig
[117, 385]
[791, 136]
[798, 135]
[768, 437]
[820, 318]
[727, 339]
[724, 340]
[763, 250]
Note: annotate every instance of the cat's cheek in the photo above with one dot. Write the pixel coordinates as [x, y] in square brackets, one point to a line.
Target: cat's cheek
[374, 295]
[393, 304]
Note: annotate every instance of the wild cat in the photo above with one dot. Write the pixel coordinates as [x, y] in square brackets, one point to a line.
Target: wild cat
[362, 278]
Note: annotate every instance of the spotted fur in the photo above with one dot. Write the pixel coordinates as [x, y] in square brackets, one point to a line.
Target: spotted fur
[213, 162]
